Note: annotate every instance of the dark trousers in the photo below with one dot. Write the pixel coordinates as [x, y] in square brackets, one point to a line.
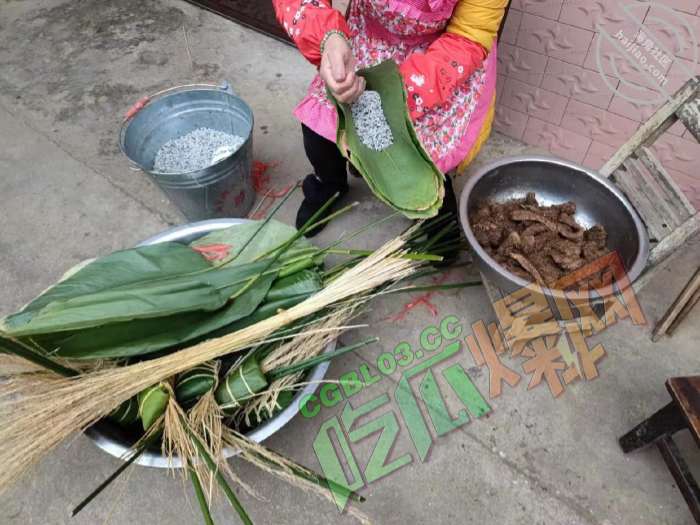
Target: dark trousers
[330, 167]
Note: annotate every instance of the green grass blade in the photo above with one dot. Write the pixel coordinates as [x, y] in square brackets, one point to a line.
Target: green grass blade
[333, 215]
[327, 356]
[201, 499]
[366, 253]
[359, 231]
[14, 347]
[146, 443]
[309, 475]
[446, 229]
[311, 225]
[287, 244]
[220, 479]
[264, 222]
[434, 287]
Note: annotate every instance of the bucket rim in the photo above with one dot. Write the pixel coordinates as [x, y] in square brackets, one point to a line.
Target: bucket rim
[173, 91]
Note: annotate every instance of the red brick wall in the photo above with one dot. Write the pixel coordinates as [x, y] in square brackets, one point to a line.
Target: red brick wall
[551, 93]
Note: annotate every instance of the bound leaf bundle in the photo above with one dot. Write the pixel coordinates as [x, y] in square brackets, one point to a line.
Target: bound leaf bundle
[402, 175]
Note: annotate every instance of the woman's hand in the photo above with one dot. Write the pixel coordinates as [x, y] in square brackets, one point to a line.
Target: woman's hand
[338, 70]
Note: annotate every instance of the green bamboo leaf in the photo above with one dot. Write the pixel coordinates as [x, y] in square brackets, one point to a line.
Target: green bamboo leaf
[403, 175]
[152, 403]
[20, 349]
[206, 291]
[194, 383]
[126, 267]
[133, 455]
[201, 498]
[216, 471]
[144, 336]
[303, 282]
[252, 239]
[267, 309]
[115, 306]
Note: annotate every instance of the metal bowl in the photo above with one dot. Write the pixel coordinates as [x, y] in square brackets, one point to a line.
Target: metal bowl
[555, 181]
[116, 440]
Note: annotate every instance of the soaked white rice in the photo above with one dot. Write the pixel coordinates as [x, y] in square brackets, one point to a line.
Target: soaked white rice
[370, 121]
[196, 150]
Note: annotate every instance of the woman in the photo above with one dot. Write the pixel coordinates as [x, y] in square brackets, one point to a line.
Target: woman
[446, 53]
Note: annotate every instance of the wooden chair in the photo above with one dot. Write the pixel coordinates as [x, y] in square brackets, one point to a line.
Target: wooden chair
[668, 215]
[683, 412]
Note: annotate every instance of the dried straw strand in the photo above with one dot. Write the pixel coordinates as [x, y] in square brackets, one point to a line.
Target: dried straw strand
[284, 468]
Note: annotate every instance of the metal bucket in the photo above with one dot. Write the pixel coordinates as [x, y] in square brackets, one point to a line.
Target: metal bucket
[224, 189]
[117, 441]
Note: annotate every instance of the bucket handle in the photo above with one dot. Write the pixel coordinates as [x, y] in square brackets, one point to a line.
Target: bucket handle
[141, 103]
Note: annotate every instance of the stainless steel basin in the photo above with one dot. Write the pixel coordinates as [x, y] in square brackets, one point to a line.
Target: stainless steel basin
[555, 181]
[116, 440]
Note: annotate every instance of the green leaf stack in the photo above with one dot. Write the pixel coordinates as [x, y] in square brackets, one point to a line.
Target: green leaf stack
[402, 175]
[157, 298]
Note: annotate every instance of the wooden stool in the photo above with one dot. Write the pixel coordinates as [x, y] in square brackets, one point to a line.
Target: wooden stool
[682, 412]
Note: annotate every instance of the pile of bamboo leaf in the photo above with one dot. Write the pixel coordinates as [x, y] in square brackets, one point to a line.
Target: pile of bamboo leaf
[190, 351]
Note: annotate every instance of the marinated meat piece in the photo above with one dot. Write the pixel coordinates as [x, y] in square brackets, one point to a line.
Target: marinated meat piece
[527, 215]
[549, 270]
[569, 208]
[592, 250]
[528, 267]
[482, 212]
[539, 243]
[567, 219]
[548, 212]
[567, 248]
[513, 267]
[597, 234]
[511, 243]
[568, 262]
[570, 233]
[530, 199]
[527, 244]
[534, 229]
[488, 232]
[544, 240]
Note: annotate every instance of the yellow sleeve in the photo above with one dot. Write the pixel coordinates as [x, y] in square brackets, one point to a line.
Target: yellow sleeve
[478, 20]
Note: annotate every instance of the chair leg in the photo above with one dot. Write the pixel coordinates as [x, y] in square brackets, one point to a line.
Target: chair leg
[681, 473]
[666, 421]
[678, 309]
